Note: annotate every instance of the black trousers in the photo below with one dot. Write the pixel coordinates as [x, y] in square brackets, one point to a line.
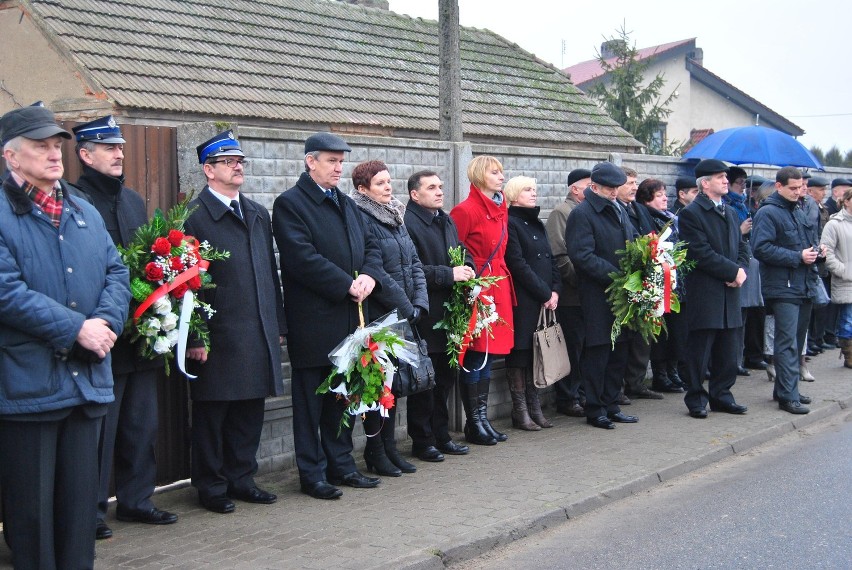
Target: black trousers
[128, 441]
[602, 368]
[570, 388]
[49, 477]
[428, 416]
[719, 346]
[755, 318]
[225, 438]
[638, 356]
[320, 452]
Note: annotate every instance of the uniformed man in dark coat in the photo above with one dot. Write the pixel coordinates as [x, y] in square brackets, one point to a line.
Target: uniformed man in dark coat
[329, 263]
[243, 366]
[712, 304]
[434, 233]
[596, 229]
[129, 431]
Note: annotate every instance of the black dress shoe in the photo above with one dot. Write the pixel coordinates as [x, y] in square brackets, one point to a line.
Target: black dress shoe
[698, 414]
[218, 504]
[728, 408]
[812, 352]
[756, 364]
[430, 454]
[357, 480]
[668, 388]
[794, 407]
[151, 516]
[453, 448]
[648, 394]
[623, 400]
[622, 418]
[102, 531]
[828, 346]
[805, 399]
[321, 490]
[743, 371]
[253, 495]
[574, 409]
[600, 422]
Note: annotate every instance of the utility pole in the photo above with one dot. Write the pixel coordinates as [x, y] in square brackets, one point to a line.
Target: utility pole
[449, 71]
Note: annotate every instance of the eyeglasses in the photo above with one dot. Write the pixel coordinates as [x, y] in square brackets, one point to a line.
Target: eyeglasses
[231, 162]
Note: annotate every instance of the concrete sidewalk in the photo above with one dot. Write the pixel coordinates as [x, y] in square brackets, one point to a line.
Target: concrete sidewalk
[466, 505]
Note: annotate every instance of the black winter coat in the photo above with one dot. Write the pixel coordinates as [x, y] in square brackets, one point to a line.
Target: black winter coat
[245, 354]
[533, 268]
[404, 285]
[780, 232]
[593, 234]
[640, 217]
[123, 211]
[716, 245]
[321, 247]
[433, 236]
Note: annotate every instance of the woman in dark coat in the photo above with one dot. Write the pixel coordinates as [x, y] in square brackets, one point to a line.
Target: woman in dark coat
[537, 284]
[403, 288]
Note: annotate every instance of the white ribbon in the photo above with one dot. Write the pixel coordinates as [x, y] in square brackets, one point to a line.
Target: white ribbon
[186, 308]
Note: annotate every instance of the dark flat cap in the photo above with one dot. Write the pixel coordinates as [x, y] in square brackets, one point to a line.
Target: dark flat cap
[578, 174]
[817, 181]
[326, 141]
[31, 122]
[840, 182]
[607, 174]
[709, 166]
[223, 144]
[685, 183]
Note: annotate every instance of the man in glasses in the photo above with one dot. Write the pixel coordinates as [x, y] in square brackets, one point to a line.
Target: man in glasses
[243, 366]
[129, 431]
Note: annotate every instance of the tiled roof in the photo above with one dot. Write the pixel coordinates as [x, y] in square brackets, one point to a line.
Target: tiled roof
[695, 137]
[317, 61]
[588, 70]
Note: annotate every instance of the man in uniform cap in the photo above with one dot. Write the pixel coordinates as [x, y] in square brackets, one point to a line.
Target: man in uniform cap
[712, 302]
[64, 296]
[597, 229]
[569, 390]
[129, 430]
[247, 329]
[329, 264]
[687, 190]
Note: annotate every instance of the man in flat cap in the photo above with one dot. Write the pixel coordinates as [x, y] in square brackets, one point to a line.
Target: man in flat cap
[687, 190]
[247, 330]
[569, 390]
[129, 430]
[329, 264]
[596, 229]
[64, 296]
[838, 187]
[712, 303]
[817, 214]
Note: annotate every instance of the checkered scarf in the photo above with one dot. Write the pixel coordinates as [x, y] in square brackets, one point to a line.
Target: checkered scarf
[49, 204]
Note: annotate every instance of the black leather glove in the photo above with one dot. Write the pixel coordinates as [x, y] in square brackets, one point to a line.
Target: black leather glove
[415, 317]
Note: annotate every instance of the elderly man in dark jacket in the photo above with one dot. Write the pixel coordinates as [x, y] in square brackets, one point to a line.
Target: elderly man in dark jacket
[129, 431]
[329, 264]
[246, 333]
[783, 240]
[434, 233]
[712, 304]
[64, 296]
[596, 229]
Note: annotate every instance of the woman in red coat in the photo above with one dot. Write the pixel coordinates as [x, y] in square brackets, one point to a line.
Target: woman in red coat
[482, 222]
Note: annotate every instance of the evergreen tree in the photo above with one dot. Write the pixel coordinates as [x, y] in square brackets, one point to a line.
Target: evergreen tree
[817, 152]
[833, 157]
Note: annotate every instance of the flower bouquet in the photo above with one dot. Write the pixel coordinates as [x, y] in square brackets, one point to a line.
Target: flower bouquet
[166, 267]
[645, 287]
[469, 312]
[364, 360]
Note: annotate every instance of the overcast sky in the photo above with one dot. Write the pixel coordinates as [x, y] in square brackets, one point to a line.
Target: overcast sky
[792, 56]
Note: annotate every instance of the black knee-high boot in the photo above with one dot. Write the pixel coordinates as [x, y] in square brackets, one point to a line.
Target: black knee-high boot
[484, 386]
[374, 452]
[474, 432]
[389, 441]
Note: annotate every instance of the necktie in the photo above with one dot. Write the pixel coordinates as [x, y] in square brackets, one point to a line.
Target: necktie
[235, 206]
[331, 194]
[721, 208]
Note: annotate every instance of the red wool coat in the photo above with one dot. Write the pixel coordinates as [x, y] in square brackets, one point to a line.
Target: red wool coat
[480, 223]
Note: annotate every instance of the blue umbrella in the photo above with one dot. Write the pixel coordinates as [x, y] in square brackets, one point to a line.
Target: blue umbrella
[754, 145]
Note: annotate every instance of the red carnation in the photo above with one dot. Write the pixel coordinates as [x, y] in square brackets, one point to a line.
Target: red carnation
[176, 264]
[161, 246]
[194, 283]
[387, 398]
[153, 272]
[180, 291]
[175, 237]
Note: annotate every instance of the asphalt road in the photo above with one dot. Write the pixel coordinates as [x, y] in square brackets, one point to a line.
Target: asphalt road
[787, 504]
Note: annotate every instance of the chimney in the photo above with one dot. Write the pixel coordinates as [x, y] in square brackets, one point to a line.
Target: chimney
[610, 48]
[381, 4]
[697, 56]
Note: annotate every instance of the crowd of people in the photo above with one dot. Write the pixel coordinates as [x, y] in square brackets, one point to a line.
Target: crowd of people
[79, 403]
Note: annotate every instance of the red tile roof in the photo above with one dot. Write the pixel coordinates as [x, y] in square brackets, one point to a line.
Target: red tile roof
[695, 137]
[588, 70]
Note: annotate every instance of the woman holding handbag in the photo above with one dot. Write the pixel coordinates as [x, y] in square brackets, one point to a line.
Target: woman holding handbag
[403, 288]
[481, 220]
[537, 284]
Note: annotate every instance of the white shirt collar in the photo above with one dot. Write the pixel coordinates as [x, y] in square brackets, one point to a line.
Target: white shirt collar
[224, 199]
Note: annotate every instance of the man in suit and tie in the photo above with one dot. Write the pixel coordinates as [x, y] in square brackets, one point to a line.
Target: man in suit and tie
[712, 303]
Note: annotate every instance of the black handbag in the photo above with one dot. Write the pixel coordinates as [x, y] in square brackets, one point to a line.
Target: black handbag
[410, 379]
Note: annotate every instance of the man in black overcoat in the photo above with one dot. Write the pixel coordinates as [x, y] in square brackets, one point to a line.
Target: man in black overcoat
[129, 431]
[596, 229]
[243, 366]
[712, 299]
[434, 233]
[329, 264]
